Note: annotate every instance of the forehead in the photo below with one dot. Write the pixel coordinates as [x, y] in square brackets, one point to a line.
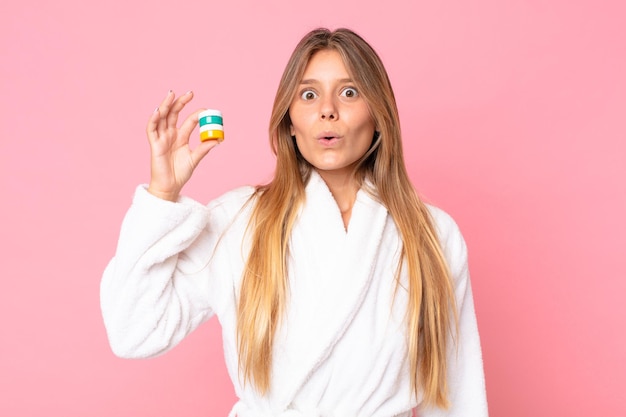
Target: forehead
[325, 64]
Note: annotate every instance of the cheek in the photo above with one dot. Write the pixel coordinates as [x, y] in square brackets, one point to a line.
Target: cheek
[361, 118]
[296, 116]
[366, 126]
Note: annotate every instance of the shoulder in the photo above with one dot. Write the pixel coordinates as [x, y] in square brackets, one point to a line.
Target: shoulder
[450, 238]
[230, 205]
[443, 222]
[235, 198]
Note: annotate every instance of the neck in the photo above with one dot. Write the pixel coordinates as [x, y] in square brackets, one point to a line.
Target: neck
[344, 188]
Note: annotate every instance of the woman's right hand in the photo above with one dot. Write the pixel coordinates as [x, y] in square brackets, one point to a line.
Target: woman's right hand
[172, 160]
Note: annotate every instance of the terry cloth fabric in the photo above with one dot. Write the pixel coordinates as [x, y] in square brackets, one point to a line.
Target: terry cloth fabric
[341, 348]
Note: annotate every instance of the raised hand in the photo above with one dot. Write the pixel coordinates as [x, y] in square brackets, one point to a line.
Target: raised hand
[172, 160]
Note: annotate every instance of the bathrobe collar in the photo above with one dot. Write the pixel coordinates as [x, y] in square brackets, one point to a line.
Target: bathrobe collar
[331, 270]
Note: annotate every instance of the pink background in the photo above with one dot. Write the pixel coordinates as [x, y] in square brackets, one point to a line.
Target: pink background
[513, 114]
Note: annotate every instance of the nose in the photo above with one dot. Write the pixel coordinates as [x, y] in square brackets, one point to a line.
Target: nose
[328, 109]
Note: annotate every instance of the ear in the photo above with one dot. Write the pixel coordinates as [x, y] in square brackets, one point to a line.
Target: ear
[292, 131]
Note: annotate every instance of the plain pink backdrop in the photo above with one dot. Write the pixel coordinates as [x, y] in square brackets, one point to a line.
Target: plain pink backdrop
[513, 115]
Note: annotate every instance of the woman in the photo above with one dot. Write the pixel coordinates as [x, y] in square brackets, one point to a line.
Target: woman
[339, 292]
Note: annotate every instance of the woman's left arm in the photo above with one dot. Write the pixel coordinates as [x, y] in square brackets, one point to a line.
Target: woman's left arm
[466, 380]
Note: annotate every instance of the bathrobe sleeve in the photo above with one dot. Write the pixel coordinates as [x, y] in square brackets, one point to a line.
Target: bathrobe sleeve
[156, 289]
[465, 365]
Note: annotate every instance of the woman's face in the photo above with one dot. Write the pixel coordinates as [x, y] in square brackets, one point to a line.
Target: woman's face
[330, 119]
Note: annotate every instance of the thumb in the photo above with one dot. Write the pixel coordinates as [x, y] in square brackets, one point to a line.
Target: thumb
[202, 150]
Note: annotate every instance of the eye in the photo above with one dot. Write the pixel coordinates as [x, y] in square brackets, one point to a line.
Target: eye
[349, 92]
[308, 95]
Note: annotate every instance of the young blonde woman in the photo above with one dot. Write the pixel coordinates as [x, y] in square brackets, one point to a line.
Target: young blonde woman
[339, 292]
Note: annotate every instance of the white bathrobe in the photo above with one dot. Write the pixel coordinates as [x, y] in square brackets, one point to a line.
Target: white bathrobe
[341, 349]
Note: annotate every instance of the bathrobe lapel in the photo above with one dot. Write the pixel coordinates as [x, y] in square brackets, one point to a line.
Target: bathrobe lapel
[330, 270]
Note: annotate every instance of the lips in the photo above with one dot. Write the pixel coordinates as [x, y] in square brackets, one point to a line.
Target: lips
[327, 136]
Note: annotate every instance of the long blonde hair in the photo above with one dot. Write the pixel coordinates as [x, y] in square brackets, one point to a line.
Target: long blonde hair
[431, 310]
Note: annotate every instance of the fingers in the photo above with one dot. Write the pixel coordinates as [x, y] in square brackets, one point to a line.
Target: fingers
[164, 109]
[162, 131]
[151, 128]
[165, 116]
[176, 107]
[189, 124]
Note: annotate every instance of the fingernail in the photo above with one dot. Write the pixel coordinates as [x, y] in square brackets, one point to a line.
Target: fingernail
[189, 92]
[156, 110]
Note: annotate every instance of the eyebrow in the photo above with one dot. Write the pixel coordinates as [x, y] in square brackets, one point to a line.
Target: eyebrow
[314, 81]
